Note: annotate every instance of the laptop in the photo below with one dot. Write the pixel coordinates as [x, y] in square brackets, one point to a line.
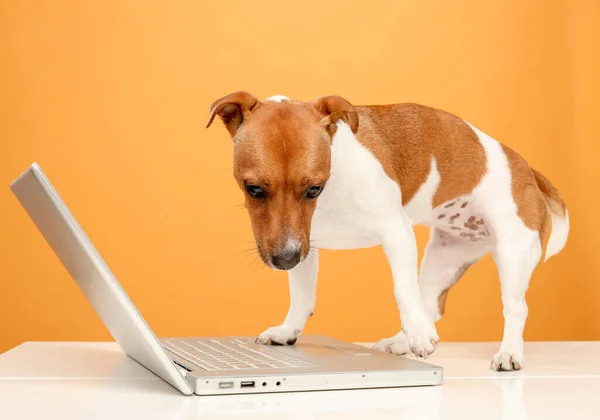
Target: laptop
[207, 365]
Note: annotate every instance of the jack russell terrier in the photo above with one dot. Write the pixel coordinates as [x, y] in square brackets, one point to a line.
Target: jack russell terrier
[327, 174]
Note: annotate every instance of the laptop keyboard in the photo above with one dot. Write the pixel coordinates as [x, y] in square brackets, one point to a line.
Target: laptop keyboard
[232, 355]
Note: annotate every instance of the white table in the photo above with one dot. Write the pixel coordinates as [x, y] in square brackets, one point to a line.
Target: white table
[97, 381]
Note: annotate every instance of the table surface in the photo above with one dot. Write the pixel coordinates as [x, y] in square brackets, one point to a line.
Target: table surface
[97, 381]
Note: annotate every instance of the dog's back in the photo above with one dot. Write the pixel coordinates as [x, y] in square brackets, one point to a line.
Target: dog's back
[409, 138]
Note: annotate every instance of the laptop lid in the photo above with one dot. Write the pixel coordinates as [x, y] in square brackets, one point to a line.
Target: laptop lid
[83, 262]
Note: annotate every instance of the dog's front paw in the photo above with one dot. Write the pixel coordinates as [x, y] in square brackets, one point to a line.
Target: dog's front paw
[506, 362]
[397, 344]
[422, 337]
[279, 336]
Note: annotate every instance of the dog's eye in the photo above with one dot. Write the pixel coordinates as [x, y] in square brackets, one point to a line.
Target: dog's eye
[255, 191]
[313, 191]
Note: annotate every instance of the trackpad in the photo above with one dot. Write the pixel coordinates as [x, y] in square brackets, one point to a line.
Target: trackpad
[315, 349]
[325, 350]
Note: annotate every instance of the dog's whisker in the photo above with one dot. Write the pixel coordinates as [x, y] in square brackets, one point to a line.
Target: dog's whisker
[312, 255]
[245, 254]
[248, 252]
[256, 261]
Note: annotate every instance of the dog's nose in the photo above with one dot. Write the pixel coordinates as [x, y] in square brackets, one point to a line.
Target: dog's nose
[286, 260]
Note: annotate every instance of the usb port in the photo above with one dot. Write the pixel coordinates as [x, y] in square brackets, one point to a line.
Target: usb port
[247, 384]
[225, 385]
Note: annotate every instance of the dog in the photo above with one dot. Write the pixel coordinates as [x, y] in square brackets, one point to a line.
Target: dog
[327, 174]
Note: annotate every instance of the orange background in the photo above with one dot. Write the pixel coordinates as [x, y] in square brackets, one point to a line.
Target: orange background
[111, 99]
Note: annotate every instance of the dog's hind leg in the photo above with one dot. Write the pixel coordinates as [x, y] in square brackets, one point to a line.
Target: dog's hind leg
[516, 257]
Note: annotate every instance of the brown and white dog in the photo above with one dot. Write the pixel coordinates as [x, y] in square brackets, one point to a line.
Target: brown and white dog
[326, 174]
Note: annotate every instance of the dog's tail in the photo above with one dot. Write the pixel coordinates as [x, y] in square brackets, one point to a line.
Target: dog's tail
[559, 213]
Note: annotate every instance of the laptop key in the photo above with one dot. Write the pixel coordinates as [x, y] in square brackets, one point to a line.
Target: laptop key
[227, 355]
[262, 365]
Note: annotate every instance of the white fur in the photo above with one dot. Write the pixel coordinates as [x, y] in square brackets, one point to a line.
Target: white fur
[420, 207]
[277, 98]
[558, 235]
[362, 207]
[292, 244]
[302, 284]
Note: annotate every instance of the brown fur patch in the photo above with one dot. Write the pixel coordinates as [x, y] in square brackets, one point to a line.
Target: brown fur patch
[531, 205]
[442, 301]
[404, 138]
[280, 150]
[551, 194]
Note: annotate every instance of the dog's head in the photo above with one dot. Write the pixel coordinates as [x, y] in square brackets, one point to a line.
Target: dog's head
[282, 161]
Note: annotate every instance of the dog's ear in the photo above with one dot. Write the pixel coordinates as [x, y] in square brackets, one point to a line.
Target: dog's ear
[233, 109]
[336, 108]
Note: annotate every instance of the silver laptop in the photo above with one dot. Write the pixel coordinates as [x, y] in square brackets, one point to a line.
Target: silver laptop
[207, 365]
